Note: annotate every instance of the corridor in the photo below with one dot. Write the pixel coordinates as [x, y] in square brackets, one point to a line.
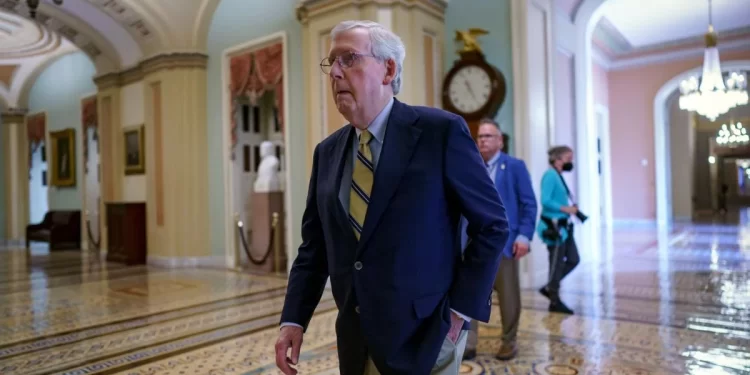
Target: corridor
[675, 306]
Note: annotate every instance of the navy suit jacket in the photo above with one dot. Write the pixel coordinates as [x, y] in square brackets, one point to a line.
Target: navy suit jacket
[513, 184]
[395, 287]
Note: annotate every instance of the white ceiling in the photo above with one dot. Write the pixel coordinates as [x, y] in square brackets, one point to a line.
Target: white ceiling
[648, 22]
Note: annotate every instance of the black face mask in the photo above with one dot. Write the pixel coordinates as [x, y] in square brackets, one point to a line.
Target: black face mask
[567, 167]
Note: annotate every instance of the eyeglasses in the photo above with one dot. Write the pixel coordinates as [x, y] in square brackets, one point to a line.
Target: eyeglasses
[345, 60]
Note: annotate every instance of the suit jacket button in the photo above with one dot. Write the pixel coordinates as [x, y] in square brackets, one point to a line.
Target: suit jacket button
[489, 302]
[356, 309]
[357, 265]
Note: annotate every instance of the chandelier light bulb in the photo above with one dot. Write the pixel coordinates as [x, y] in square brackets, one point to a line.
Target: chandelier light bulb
[732, 135]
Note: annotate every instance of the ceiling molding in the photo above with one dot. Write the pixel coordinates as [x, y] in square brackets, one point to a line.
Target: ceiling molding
[204, 19]
[149, 66]
[669, 56]
[314, 8]
[14, 115]
[607, 34]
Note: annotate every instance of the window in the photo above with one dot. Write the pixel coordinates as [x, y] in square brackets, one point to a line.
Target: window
[256, 120]
[245, 118]
[246, 158]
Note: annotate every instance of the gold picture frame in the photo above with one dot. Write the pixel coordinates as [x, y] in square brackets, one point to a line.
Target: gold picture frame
[133, 146]
[63, 157]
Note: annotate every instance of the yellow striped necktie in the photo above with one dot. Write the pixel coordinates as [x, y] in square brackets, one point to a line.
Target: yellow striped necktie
[362, 178]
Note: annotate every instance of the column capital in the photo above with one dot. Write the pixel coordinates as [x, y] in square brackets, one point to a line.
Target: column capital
[14, 115]
[307, 9]
[151, 65]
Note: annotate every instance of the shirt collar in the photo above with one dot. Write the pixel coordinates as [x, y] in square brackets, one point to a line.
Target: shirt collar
[378, 125]
[494, 159]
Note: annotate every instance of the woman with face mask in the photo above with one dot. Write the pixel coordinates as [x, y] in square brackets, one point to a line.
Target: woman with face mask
[556, 225]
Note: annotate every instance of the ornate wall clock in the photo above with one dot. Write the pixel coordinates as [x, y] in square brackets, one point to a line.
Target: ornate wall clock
[473, 88]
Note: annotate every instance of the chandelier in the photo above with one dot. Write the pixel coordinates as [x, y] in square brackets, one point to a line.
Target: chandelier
[714, 95]
[34, 4]
[732, 135]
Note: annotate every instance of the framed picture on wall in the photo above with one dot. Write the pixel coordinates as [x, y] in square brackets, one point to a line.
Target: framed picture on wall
[63, 158]
[133, 138]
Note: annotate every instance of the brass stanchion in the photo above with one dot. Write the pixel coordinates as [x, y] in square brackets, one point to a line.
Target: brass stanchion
[237, 258]
[275, 239]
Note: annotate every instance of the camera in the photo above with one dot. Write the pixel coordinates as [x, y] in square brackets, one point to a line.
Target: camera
[581, 216]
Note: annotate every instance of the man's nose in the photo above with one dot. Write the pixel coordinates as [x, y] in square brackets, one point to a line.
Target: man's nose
[336, 71]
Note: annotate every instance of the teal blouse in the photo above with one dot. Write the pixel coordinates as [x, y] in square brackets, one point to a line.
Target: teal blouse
[553, 197]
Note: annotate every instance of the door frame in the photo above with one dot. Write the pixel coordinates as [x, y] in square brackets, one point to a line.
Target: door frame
[605, 158]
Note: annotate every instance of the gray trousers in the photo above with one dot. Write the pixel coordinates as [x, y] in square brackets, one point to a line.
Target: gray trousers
[508, 288]
[448, 362]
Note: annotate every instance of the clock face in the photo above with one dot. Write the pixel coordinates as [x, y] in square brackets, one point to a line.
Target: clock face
[470, 88]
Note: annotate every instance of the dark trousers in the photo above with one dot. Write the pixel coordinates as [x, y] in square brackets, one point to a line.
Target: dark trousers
[508, 289]
[563, 258]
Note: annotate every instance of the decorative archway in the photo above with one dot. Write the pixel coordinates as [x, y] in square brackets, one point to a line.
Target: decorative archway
[661, 127]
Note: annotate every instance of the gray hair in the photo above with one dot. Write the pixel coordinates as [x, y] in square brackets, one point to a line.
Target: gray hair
[556, 153]
[384, 45]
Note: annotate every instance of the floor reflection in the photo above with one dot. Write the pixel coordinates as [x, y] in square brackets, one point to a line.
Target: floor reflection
[675, 301]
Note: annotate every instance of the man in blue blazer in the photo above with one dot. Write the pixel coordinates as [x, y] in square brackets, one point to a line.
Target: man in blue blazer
[382, 219]
[513, 183]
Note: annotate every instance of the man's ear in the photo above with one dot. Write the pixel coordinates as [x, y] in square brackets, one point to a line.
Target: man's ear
[390, 71]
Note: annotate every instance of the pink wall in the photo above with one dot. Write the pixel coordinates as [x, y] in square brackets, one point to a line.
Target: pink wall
[631, 112]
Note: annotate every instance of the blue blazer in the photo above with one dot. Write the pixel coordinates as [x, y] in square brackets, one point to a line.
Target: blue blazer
[395, 287]
[513, 184]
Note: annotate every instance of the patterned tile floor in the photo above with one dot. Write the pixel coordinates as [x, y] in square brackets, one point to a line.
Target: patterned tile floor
[676, 302]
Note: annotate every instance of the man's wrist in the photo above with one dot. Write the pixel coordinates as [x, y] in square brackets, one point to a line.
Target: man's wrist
[285, 324]
[462, 316]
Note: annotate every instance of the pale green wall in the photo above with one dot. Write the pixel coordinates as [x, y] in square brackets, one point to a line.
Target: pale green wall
[493, 16]
[236, 22]
[58, 91]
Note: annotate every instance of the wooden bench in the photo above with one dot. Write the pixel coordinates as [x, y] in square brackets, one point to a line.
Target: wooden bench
[60, 229]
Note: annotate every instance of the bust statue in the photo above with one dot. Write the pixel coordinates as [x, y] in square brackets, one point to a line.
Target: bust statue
[268, 177]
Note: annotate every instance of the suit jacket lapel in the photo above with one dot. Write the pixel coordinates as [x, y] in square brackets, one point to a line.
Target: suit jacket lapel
[340, 213]
[501, 177]
[400, 139]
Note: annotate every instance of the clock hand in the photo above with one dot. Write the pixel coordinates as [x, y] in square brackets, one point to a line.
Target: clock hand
[471, 92]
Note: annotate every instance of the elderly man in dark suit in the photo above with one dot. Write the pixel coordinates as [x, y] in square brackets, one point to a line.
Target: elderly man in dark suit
[382, 219]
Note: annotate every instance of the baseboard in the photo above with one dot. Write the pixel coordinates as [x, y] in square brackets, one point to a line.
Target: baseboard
[187, 262]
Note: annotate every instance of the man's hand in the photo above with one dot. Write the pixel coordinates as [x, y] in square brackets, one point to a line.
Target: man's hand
[289, 337]
[456, 324]
[520, 249]
[569, 209]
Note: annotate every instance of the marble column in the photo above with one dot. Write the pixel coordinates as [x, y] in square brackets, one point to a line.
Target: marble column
[15, 146]
[111, 151]
[176, 160]
[419, 23]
